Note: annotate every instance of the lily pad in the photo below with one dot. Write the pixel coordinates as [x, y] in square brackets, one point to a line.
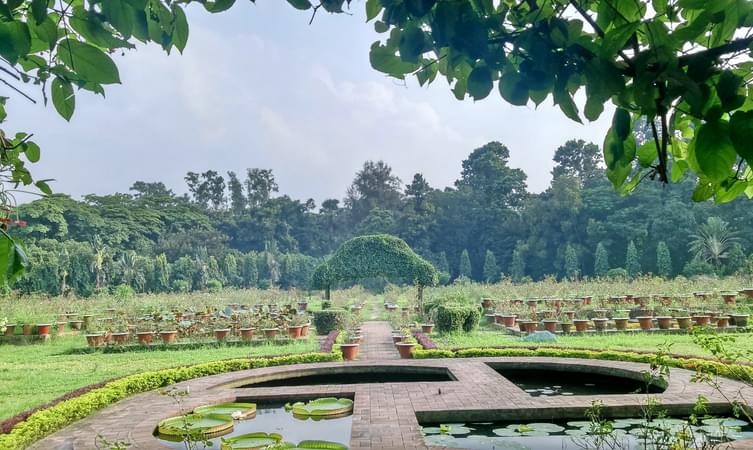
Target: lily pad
[455, 428]
[545, 426]
[505, 432]
[726, 422]
[234, 410]
[322, 407]
[251, 441]
[202, 423]
[430, 430]
[445, 440]
[579, 423]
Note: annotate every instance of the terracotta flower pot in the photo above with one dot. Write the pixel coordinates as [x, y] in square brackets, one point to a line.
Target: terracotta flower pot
[581, 325]
[270, 333]
[729, 298]
[27, 328]
[530, 326]
[305, 330]
[748, 292]
[405, 349]
[61, 328]
[665, 322]
[741, 320]
[586, 299]
[295, 331]
[566, 327]
[702, 320]
[398, 338]
[683, 323]
[722, 321]
[646, 322]
[221, 334]
[600, 323]
[349, 351]
[427, 328]
[44, 329]
[532, 303]
[10, 329]
[246, 333]
[551, 325]
[95, 340]
[508, 320]
[145, 337]
[570, 314]
[168, 337]
[120, 338]
[76, 324]
[600, 313]
[620, 323]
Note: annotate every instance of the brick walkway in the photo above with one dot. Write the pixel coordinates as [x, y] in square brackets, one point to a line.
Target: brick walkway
[386, 416]
[377, 342]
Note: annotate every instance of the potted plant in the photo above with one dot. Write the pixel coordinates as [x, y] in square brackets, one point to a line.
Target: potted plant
[581, 325]
[566, 325]
[246, 329]
[665, 322]
[145, 333]
[550, 325]
[646, 322]
[8, 328]
[95, 339]
[269, 327]
[350, 345]
[221, 328]
[88, 321]
[729, 297]
[722, 321]
[702, 319]
[741, 320]
[120, 332]
[428, 327]
[600, 323]
[620, 323]
[405, 348]
[44, 329]
[168, 332]
[295, 326]
[683, 322]
[487, 303]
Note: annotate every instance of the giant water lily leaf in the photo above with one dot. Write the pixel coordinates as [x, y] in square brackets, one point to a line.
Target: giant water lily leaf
[251, 441]
[202, 423]
[234, 410]
[322, 407]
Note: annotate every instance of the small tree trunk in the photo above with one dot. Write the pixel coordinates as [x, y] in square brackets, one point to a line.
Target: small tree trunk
[420, 298]
[326, 293]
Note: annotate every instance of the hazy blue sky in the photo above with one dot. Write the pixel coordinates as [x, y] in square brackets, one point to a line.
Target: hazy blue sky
[258, 87]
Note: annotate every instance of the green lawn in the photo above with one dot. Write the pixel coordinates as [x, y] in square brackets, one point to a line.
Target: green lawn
[682, 344]
[31, 375]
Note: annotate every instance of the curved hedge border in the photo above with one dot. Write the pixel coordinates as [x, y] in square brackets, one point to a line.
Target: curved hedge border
[50, 420]
[738, 372]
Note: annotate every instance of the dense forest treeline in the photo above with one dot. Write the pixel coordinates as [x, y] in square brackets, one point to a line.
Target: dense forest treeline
[239, 230]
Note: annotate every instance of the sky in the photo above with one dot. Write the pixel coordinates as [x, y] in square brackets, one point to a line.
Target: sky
[257, 86]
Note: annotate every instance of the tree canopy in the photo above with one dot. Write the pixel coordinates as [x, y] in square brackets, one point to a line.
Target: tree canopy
[373, 256]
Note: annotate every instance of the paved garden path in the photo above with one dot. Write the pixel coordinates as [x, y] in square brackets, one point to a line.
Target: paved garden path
[377, 341]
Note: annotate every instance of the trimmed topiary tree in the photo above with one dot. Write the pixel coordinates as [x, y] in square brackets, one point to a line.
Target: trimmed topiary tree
[465, 270]
[491, 269]
[632, 262]
[663, 260]
[601, 260]
[374, 256]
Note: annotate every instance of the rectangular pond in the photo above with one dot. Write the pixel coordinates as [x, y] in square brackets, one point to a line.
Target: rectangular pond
[627, 434]
[352, 375]
[546, 382]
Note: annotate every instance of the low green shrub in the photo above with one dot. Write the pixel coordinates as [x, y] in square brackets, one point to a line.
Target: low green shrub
[734, 371]
[329, 320]
[451, 318]
[50, 420]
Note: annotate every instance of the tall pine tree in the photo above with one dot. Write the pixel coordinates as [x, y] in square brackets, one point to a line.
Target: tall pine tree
[632, 261]
[572, 265]
[464, 270]
[601, 260]
[663, 260]
[491, 269]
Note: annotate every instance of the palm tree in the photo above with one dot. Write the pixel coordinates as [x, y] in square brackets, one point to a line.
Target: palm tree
[101, 252]
[713, 242]
[128, 266]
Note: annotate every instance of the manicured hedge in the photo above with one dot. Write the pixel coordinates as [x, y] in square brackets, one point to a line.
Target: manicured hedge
[330, 320]
[734, 371]
[453, 317]
[48, 421]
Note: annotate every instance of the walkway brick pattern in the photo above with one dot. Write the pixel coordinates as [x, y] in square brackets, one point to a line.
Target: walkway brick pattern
[386, 416]
[377, 342]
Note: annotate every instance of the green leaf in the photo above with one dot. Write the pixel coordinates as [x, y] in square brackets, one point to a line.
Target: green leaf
[714, 151]
[63, 98]
[303, 5]
[39, 10]
[647, 154]
[703, 191]
[13, 260]
[15, 40]
[380, 27]
[88, 62]
[594, 108]
[679, 167]
[44, 187]
[218, 5]
[616, 39]
[32, 151]
[480, 82]
[566, 103]
[46, 31]
[373, 7]
[621, 123]
[728, 88]
[741, 134]
[412, 44]
[728, 191]
[513, 88]
[384, 59]
[180, 30]
[120, 14]
[419, 8]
